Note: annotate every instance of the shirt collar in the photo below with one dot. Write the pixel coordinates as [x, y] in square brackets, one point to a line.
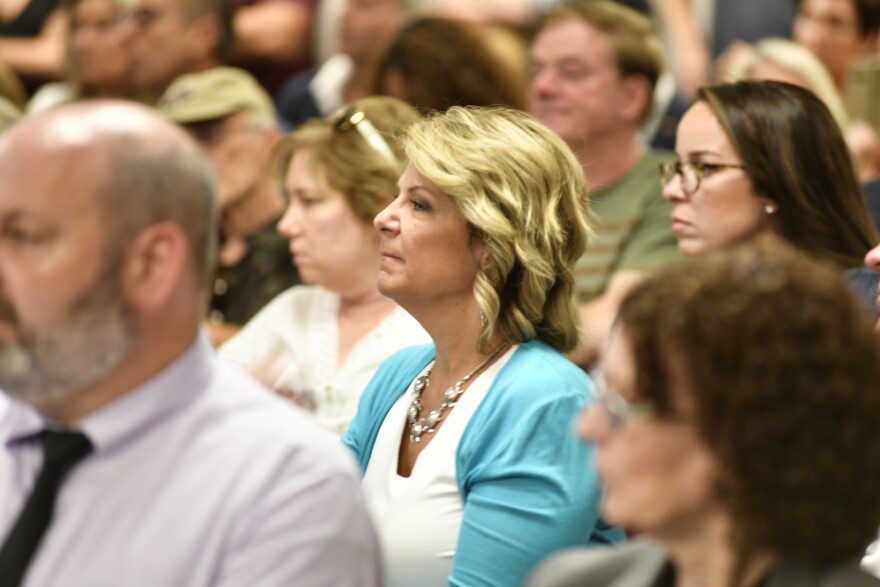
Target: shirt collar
[128, 416]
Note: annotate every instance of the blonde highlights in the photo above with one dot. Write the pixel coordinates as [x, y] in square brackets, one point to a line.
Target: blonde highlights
[523, 195]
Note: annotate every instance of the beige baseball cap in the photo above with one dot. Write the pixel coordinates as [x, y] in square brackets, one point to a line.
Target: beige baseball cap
[213, 94]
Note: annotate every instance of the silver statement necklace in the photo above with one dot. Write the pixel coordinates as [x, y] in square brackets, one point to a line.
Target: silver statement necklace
[419, 426]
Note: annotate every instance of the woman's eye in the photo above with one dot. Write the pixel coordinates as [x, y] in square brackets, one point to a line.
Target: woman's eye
[705, 169]
[21, 237]
[420, 206]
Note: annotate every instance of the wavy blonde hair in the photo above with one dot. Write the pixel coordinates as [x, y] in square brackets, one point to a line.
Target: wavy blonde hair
[522, 193]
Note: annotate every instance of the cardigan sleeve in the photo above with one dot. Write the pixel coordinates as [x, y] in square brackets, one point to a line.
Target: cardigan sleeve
[528, 485]
[390, 381]
[532, 492]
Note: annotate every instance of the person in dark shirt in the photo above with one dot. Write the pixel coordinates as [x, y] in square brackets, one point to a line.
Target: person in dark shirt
[233, 120]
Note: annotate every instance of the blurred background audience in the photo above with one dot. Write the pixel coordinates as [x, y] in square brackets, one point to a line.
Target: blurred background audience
[169, 38]
[365, 29]
[32, 39]
[272, 38]
[434, 63]
[98, 62]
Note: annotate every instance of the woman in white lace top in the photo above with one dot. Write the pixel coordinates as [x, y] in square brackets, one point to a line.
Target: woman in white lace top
[321, 343]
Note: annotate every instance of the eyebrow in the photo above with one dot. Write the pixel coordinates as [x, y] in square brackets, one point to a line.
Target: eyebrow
[702, 153]
[301, 192]
[414, 188]
[15, 215]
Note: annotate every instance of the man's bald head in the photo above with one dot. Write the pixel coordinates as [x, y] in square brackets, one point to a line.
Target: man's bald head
[148, 170]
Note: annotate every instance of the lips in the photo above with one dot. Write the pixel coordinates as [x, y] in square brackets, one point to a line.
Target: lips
[680, 226]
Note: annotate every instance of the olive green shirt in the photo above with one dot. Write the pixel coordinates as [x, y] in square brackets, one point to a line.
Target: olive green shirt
[632, 228]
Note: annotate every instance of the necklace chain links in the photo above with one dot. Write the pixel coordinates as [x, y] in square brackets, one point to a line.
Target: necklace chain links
[428, 424]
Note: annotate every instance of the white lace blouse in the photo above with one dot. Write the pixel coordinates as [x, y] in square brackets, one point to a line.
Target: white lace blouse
[298, 332]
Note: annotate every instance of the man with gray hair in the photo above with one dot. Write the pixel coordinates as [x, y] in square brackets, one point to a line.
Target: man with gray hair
[129, 455]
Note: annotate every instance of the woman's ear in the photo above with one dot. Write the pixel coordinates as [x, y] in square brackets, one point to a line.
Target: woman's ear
[634, 97]
[481, 254]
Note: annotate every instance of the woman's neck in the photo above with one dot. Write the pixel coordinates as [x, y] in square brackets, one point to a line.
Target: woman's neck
[363, 300]
[708, 558]
[457, 339]
[359, 313]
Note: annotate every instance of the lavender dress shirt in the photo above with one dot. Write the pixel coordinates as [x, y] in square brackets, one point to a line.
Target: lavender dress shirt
[199, 478]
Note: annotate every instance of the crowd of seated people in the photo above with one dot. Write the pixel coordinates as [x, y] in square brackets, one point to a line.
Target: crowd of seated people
[439, 293]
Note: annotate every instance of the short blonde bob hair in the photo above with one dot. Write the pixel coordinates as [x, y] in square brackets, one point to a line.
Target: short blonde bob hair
[522, 193]
[346, 161]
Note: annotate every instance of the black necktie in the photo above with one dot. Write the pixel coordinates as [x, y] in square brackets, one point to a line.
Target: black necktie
[61, 451]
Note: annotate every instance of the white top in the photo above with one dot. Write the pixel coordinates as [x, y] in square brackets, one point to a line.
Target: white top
[298, 332]
[50, 95]
[871, 560]
[418, 517]
[328, 85]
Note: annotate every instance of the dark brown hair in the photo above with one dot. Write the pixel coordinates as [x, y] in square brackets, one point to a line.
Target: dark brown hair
[784, 371]
[868, 15]
[448, 63]
[795, 154]
[222, 10]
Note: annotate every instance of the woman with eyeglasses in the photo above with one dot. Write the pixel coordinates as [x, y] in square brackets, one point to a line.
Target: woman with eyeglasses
[737, 432]
[469, 467]
[320, 343]
[767, 161]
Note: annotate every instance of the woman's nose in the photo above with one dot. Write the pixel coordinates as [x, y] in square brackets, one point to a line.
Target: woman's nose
[592, 425]
[386, 220]
[290, 224]
[672, 190]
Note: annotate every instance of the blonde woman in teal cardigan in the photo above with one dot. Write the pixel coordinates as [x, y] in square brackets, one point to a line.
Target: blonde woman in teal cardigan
[470, 468]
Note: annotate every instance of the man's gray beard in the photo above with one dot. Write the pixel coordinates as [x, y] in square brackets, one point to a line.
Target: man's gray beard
[42, 368]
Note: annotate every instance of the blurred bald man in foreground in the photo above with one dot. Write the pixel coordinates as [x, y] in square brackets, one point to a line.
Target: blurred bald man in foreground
[129, 455]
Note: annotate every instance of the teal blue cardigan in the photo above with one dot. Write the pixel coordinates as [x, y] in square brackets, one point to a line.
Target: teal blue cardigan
[528, 486]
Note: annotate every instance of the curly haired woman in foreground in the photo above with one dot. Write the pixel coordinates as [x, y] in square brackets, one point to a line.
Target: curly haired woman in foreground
[737, 431]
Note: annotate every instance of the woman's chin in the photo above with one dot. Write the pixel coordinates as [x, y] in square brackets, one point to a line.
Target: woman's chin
[691, 247]
[616, 514]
